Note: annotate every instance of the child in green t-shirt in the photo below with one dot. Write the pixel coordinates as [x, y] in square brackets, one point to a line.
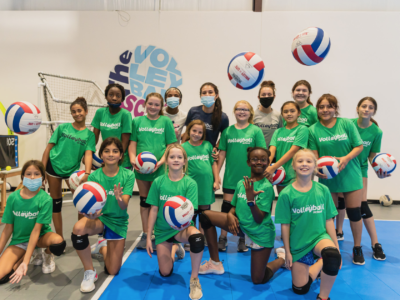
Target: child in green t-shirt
[301, 92]
[168, 238]
[27, 217]
[111, 221]
[63, 154]
[305, 210]
[250, 214]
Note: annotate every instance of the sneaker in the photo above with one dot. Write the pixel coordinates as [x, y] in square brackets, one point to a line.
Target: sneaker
[37, 257]
[210, 267]
[280, 253]
[378, 253]
[358, 257]
[143, 241]
[222, 243]
[195, 289]
[340, 236]
[89, 278]
[48, 265]
[242, 245]
[319, 298]
[96, 247]
[186, 247]
[180, 253]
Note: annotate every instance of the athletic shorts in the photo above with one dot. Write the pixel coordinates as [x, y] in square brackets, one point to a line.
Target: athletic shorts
[308, 259]
[23, 246]
[228, 191]
[108, 234]
[173, 240]
[50, 171]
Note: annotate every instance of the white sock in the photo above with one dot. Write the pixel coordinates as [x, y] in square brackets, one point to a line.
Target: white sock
[215, 263]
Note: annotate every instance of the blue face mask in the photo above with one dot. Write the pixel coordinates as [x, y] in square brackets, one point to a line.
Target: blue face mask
[32, 184]
[172, 102]
[114, 105]
[207, 101]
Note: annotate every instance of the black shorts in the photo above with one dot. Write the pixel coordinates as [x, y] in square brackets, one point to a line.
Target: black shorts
[50, 171]
[173, 240]
[228, 191]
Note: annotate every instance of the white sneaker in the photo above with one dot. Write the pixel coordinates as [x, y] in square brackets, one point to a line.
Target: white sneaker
[48, 265]
[89, 278]
[37, 257]
[281, 253]
[96, 247]
[180, 253]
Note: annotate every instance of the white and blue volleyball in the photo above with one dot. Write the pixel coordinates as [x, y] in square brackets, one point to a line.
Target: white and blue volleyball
[384, 162]
[178, 211]
[279, 176]
[246, 70]
[96, 161]
[328, 165]
[23, 118]
[89, 197]
[75, 178]
[146, 162]
[311, 46]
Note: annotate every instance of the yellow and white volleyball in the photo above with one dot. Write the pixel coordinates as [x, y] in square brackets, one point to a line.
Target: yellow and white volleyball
[23, 118]
[385, 200]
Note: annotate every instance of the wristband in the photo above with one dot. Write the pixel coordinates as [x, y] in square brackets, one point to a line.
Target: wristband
[87, 173]
[251, 203]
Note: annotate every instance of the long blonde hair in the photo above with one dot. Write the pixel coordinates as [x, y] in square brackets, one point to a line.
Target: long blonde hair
[251, 118]
[178, 146]
[312, 155]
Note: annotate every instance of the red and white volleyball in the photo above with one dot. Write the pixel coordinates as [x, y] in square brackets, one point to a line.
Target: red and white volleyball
[246, 70]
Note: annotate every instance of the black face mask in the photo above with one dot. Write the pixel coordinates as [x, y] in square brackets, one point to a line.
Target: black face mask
[266, 101]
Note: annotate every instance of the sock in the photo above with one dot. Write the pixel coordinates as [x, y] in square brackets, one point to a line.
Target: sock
[215, 263]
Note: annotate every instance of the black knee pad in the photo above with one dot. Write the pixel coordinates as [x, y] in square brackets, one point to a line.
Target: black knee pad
[80, 242]
[57, 205]
[58, 249]
[6, 278]
[354, 214]
[268, 275]
[143, 202]
[341, 204]
[205, 221]
[172, 270]
[366, 213]
[226, 206]
[304, 289]
[331, 260]
[106, 271]
[196, 242]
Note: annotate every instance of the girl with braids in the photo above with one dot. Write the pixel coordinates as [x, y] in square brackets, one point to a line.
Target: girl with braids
[301, 92]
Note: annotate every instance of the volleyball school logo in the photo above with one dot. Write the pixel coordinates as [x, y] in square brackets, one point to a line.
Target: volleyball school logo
[143, 71]
[338, 137]
[289, 139]
[27, 215]
[366, 143]
[241, 141]
[203, 157]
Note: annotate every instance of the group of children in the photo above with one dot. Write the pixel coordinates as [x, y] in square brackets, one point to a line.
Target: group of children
[189, 165]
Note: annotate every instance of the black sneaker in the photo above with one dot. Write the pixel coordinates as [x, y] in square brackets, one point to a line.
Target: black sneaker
[222, 243]
[358, 257]
[378, 252]
[340, 236]
[319, 298]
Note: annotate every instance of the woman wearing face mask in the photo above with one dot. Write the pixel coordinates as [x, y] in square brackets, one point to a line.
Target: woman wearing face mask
[27, 217]
[113, 121]
[173, 97]
[301, 92]
[265, 117]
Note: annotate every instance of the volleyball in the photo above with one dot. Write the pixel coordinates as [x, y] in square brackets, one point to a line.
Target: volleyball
[311, 46]
[246, 70]
[328, 166]
[89, 197]
[279, 176]
[384, 162]
[146, 162]
[23, 117]
[178, 212]
[75, 178]
[97, 161]
[385, 200]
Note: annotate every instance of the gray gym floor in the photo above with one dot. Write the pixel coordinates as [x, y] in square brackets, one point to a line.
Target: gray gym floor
[65, 281]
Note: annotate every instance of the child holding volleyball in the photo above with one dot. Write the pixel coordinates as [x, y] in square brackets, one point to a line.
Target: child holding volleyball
[338, 137]
[171, 184]
[63, 154]
[286, 141]
[152, 132]
[27, 217]
[111, 221]
[305, 210]
[233, 147]
[251, 215]
[301, 92]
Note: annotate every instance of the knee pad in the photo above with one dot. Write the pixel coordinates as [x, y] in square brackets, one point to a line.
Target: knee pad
[172, 270]
[106, 271]
[80, 242]
[268, 275]
[366, 213]
[6, 278]
[57, 205]
[143, 202]
[341, 204]
[354, 214]
[226, 206]
[331, 260]
[304, 289]
[205, 221]
[196, 242]
[58, 249]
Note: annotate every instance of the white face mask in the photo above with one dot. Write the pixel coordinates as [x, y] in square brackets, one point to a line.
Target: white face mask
[208, 101]
[173, 102]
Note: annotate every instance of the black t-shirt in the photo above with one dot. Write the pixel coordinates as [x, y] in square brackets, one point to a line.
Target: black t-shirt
[197, 113]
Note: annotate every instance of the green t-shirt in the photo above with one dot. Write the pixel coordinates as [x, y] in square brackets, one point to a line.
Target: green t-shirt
[200, 170]
[262, 234]
[69, 147]
[308, 116]
[25, 213]
[307, 214]
[161, 190]
[114, 125]
[338, 141]
[283, 139]
[235, 142]
[372, 138]
[152, 136]
[113, 216]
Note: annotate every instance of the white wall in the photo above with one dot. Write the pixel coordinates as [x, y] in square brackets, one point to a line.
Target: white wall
[362, 62]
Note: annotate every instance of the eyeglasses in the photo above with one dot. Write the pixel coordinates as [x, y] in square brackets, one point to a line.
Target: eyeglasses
[256, 160]
[242, 109]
